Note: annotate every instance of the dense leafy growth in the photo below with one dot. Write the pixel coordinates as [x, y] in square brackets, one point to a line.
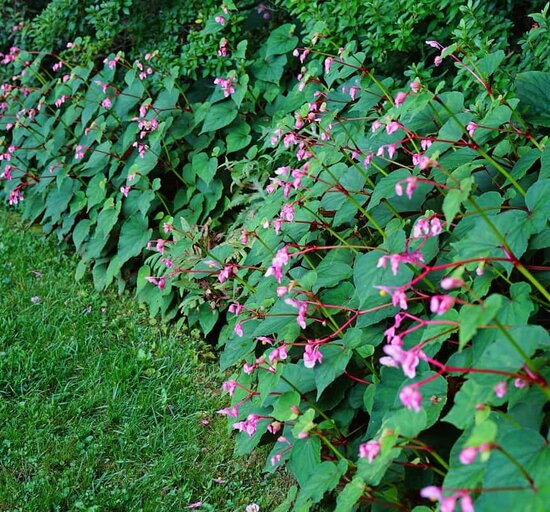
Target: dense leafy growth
[368, 242]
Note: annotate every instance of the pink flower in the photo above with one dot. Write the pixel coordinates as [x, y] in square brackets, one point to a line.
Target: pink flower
[248, 368]
[58, 102]
[106, 103]
[287, 213]
[79, 152]
[281, 290]
[440, 304]
[278, 354]
[425, 144]
[467, 504]
[438, 60]
[411, 186]
[353, 91]
[408, 359]
[229, 386]
[449, 283]
[501, 389]
[434, 44]
[222, 49]
[253, 507]
[375, 125]
[125, 190]
[312, 356]
[399, 298]
[6, 174]
[238, 329]
[160, 282]
[468, 455]
[410, 397]
[249, 425]
[520, 383]
[111, 63]
[415, 86]
[427, 227]
[392, 127]
[220, 20]
[225, 273]
[431, 493]
[400, 98]
[471, 128]
[229, 411]
[370, 450]
[142, 148]
[226, 84]
[448, 503]
[281, 258]
[15, 196]
[328, 63]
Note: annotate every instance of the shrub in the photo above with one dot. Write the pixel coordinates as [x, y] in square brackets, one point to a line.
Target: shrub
[388, 291]
[392, 274]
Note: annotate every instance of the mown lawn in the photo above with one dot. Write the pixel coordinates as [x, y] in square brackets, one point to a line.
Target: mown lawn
[101, 411]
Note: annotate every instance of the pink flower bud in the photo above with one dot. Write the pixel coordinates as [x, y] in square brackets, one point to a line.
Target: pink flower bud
[410, 397]
[415, 86]
[449, 283]
[370, 450]
[501, 389]
[468, 455]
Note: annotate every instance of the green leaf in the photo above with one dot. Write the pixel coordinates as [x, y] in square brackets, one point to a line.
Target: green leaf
[333, 269]
[545, 163]
[455, 197]
[285, 505]
[326, 478]
[350, 495]
[519, 307]
[488, 64]
[80, 233]
[471, 393]
[533, 89]
[204, 167]
[58, 199]
[502, 354]
[95, 191]
[238, 137]
[528, 448]
[134, 236]
[219, 115]
[335, 360]
[282, 406]
[537, 200]
[269, 69]
[281, 40]
[304, 423]
[304, 458]
[484, 432]
[385, 188]
[207, 317]
[474, 316]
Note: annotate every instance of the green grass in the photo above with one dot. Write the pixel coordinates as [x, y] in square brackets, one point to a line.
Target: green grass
[99, 410]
